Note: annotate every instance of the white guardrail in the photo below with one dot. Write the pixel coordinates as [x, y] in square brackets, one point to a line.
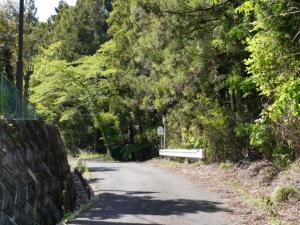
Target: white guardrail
[184, 153]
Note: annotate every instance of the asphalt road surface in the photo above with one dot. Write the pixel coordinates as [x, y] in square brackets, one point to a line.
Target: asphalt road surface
[139, 194]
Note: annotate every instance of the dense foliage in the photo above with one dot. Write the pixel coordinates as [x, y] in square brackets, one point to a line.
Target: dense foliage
[224, 73]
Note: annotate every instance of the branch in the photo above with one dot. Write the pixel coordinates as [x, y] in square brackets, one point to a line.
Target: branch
[296, 36]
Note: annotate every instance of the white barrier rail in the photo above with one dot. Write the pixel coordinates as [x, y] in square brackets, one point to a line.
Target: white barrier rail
[184, 153]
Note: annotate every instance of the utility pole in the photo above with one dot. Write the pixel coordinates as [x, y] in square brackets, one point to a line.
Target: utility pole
[19, 76]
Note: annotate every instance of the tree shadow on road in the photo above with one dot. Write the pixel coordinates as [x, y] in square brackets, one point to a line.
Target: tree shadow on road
[114, 206]
[128, 192]
[103, 169]
[95, 180]
[88, 222]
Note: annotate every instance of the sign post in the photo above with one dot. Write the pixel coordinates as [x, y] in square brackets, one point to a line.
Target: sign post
[165, 127]
[160, 132]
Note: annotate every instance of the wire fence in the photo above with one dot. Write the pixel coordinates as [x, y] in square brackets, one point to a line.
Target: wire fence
[11, 106]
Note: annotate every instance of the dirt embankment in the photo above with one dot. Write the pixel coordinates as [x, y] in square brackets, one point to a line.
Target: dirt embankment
[250, 191]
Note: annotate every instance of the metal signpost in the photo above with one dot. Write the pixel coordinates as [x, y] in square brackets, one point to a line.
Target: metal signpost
[165, 127]
[160, 132]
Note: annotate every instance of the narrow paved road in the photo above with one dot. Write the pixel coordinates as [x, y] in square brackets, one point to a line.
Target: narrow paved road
[135, 193]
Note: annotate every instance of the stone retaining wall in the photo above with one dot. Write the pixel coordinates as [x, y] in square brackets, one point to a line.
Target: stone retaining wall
[35, 179]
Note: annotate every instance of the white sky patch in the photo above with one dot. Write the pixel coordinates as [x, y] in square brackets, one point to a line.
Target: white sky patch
[46, 8]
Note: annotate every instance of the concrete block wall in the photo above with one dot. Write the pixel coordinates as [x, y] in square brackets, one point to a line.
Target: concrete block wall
[35, 179]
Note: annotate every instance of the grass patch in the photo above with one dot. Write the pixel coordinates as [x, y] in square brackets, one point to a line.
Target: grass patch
[166, 163]
[261, 203]
[83, 169]
[81, 166]
[70, 216]
[94, 155]
[198, 164]
[283, 194]
[170, 164]
[226, 165]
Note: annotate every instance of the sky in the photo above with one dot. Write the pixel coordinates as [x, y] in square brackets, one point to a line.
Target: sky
[46, 7]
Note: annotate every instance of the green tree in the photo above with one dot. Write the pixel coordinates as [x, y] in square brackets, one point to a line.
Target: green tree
[274, 66]
[224, 73]
[8, 36]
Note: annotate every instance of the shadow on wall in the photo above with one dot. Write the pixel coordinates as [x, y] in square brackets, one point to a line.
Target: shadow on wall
[114, 206]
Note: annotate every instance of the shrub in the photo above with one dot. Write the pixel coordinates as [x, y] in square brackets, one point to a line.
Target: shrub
[281, 156]
[282, 194]
[262, 137]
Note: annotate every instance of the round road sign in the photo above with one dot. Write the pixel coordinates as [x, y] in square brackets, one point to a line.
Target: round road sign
[160, 131]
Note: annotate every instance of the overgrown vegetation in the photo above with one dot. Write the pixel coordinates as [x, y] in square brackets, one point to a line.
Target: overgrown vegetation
[224, 74]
